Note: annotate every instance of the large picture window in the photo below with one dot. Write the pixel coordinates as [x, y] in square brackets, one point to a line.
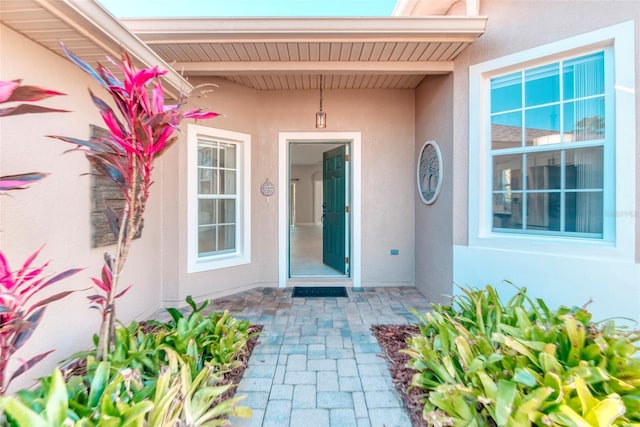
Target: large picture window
[549, 139]
[219, 205]
[552, 147]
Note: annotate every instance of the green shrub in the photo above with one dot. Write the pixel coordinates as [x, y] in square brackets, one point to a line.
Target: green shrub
[485, 363]
[167, 376]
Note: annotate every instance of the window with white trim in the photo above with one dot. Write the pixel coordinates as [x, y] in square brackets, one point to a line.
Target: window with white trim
[550, 148]
[219, 198]
[572, 174]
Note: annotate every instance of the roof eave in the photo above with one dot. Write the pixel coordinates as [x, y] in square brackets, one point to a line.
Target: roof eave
[108, 32]
[161, 30]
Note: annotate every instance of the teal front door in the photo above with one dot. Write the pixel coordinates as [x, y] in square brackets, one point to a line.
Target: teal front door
[334, 209]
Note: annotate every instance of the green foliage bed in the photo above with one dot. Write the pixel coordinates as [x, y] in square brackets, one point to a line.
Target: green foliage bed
[485, 363]
[166, 376]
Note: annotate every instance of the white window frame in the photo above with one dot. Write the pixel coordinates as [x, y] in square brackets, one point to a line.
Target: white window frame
[619, 225]
[242, 253]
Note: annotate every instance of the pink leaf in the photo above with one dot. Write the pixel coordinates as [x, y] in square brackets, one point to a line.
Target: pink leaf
[31, 94]
[4, 267]
[10, 182]
[6, 89]
[99, 283]
[49, 300]
[158, 98]
[29, 364]
[28, 108]
[200, 115]
[61, 276]
[123, 292]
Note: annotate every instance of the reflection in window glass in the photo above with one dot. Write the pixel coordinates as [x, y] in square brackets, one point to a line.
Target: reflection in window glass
[506, 130]
[560, 189]
[584, 120]
[542, 85]
[506, 93]
[542, 125]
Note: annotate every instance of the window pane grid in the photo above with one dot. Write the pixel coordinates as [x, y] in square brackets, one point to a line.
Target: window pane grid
[217, 198]
[547, 145]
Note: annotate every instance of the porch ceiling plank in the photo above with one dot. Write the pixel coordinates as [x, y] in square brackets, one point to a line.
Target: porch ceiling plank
[231, 51]
[428, 52]
[334, 51]
[398, 51]
[294, 51]
[199, 50]
[272, 52]
[303, 49]
[407, 51]
[356, 51]
[283, 52]
[458, 51]
[367, 49]
[376, 52]
[191, 53]
[419, 51]
[219, 51]
[324, 52]
[450, 53]
[253, 51]
[13, 13]
[387, 51]
[345, 51]
[314, 52]
[438, 53]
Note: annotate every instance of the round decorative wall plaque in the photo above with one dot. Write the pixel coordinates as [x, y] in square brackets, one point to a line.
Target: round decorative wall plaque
[267, 188]
[429, 172]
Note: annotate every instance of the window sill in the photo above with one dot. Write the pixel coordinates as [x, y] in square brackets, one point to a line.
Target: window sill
[559, 246]
[217, 262]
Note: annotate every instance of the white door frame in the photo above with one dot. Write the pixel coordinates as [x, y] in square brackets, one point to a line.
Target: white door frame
[355, 140]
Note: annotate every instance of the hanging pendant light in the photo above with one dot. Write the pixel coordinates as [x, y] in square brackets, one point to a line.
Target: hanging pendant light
[321, 117]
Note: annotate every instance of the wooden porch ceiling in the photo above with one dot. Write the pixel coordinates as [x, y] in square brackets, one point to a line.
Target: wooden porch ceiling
[290, 53]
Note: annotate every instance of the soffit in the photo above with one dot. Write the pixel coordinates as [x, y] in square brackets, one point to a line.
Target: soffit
[290, 53]
[87, 30]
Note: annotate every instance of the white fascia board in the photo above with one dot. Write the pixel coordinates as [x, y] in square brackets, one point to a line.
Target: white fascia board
[228, 30]
[106, 31]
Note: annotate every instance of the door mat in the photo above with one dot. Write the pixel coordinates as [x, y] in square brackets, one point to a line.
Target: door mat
[319, 292]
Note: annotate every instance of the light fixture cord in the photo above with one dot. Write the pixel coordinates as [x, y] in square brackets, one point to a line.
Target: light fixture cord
[321, 93]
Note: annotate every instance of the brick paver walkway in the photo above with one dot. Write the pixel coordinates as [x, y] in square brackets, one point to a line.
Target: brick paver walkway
[317, 363]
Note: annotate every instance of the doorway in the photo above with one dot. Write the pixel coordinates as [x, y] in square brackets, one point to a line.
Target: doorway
[319, 244]
[303, 242]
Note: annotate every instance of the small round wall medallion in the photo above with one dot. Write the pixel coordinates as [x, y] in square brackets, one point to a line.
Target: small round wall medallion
[429, 172]
[267, 188]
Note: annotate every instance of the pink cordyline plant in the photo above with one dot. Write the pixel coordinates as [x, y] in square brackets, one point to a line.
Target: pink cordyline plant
[19, 313]
[13, 91]
[140, 129]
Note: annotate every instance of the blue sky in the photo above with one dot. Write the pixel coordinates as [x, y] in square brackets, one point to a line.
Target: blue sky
[243, 8]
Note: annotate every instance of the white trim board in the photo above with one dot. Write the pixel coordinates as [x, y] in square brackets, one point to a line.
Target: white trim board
[353, 138]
